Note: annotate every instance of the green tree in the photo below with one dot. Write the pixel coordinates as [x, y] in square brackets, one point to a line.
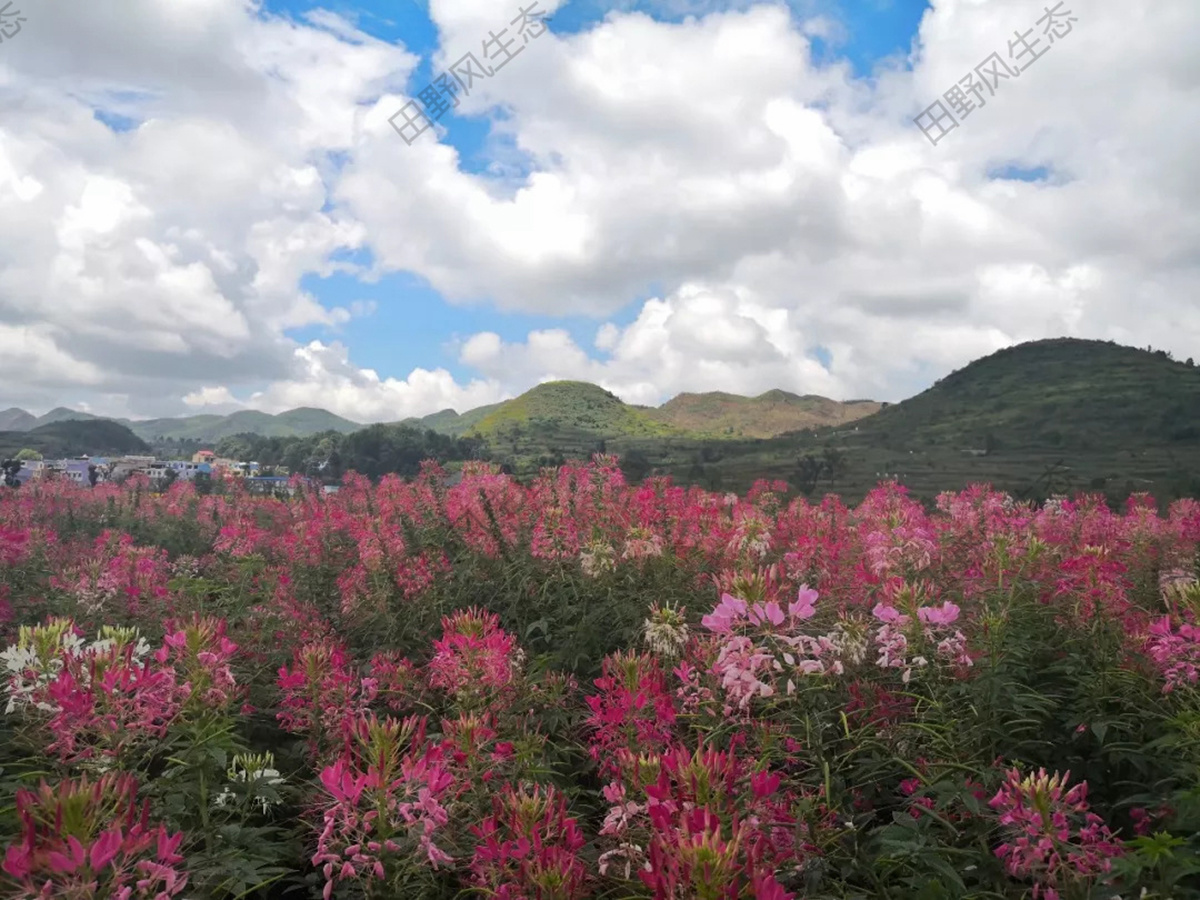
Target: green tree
[808, 472]
[635, 465]
[10, 468]
[238, 446]
[27, 453]
[834, 461]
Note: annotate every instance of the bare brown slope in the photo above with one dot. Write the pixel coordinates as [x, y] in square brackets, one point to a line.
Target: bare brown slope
[773, 413]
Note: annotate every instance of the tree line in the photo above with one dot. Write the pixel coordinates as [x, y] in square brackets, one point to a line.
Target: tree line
[373, 451]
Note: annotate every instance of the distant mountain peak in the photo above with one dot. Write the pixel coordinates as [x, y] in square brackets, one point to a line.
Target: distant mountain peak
[575, 405]
[16, 419]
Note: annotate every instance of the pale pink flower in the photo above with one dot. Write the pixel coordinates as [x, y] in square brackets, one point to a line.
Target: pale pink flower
[805, 605]
[728, 611]
[769, 612]
[946, 614]
[889, 614]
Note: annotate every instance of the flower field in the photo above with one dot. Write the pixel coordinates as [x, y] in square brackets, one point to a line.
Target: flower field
[582, 688]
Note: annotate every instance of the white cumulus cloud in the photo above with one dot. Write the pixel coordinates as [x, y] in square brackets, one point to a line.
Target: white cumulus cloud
[730, 214]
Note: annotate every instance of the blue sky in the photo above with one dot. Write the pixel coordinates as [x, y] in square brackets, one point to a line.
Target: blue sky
[174, 180]
[393, 340]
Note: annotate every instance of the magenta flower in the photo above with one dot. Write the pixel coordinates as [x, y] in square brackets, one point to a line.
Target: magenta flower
[1175, 651]
[92, 840]
[1053, 837]
[384, 802]
[529, 847]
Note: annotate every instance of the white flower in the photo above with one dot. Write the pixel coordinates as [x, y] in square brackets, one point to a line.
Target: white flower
[224, 797]
[253, 770]
[631, 853]
[666, 631]
[18, 659]
[642, 543]
[28, 673]
[597, 558]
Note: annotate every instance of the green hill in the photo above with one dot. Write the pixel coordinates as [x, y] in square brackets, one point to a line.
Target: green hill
[185, 428]
[450, 422]
[1062, 393]
[211, 428]
[1047, 416]
[62, 414]
[572, 407]
[775, 412]
[74, 437]
[1042, 417]
[308, 420]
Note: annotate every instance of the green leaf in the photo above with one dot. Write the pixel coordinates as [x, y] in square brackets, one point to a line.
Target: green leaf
[932, 890]
[941, 865]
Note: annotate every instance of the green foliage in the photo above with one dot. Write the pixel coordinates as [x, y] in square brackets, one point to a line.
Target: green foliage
[373, 451]
[74, 437]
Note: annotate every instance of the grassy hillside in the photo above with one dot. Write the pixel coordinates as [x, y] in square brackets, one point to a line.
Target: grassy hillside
[719, 414]
[450, 422]
[308, 420]
[1064, 393]
[570, 406]
[1046, 416]
[74, 437]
